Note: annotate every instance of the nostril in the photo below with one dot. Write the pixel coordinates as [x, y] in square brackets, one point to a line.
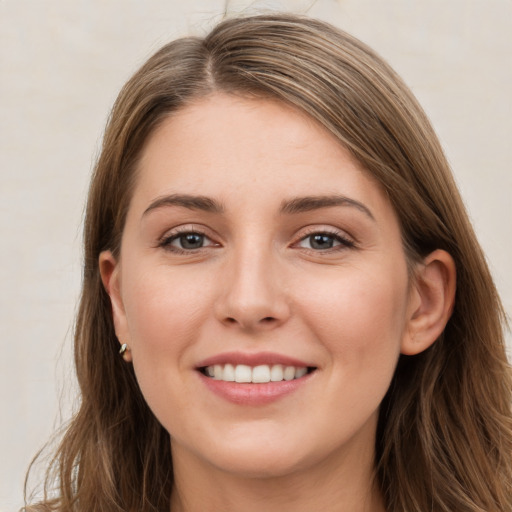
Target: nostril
[248, 322]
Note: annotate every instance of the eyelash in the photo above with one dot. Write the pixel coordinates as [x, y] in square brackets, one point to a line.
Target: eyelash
[337, 236]
[166, 241]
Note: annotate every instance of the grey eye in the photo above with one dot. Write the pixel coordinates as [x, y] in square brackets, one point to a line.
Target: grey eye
[189, 241]
[184, 241]
[319, 241]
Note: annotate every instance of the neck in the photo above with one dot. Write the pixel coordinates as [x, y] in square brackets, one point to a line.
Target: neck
[329, 486]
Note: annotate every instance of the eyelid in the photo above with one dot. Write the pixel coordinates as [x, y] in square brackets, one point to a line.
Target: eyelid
[345, 241]
[173, 234]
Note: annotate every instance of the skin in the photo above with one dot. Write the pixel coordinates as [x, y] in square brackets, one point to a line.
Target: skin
[259, 283]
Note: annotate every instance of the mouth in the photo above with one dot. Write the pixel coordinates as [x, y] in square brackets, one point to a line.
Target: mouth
[254, 379]
[260, 374]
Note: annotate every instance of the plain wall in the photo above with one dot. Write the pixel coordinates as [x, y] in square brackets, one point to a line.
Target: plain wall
[61, 66]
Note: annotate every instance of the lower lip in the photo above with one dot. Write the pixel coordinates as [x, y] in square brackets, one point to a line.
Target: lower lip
[253, 394]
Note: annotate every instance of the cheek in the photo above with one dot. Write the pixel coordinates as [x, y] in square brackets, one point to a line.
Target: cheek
[358, 300]
[157, 303]
[163, 310]
[360, 317]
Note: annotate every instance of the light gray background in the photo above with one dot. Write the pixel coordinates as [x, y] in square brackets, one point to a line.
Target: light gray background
[61, 65]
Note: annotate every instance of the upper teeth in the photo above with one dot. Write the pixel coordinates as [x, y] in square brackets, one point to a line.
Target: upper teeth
[256, 374]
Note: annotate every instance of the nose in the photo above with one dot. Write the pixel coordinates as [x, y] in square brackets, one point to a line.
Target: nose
[253, 295]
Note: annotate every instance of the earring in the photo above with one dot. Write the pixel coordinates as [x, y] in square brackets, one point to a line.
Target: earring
[123, 350]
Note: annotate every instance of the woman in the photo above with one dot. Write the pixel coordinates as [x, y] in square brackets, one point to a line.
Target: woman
[276, 246]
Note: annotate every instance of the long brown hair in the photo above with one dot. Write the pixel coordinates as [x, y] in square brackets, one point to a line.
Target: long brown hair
[444, 437]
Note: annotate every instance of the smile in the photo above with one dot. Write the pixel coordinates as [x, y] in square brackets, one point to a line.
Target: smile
[254, 379]
[260, 374]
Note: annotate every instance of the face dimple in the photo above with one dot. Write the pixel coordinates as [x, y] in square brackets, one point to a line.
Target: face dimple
[214, 264]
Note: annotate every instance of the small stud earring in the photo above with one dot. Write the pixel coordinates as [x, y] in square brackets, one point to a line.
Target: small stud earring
[123, 349]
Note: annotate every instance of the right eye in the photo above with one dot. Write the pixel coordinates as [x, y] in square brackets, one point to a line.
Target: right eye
[186, 241]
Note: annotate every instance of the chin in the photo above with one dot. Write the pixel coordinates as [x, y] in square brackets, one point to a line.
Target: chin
[252, 454]
[261, 465]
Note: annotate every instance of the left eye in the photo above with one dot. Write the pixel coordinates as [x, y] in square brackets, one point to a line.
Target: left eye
[322, 241]
[188, 241]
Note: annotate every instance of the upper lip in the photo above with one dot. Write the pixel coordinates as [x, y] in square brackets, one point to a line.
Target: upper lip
[255, 359]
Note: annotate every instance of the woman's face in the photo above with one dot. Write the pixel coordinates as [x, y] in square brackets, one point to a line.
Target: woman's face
[257, 249]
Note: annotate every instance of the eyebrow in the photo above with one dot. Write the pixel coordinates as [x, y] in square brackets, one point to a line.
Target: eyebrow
[203, 203]
[291, 206]
[309, 203]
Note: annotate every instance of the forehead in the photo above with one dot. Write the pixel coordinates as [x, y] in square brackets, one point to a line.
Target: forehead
[232, 147]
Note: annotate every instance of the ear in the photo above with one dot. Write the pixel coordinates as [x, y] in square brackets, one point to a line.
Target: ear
[431, 302]
[110, 276]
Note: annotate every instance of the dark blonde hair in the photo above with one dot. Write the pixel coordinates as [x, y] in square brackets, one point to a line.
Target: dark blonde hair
[444, 437]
